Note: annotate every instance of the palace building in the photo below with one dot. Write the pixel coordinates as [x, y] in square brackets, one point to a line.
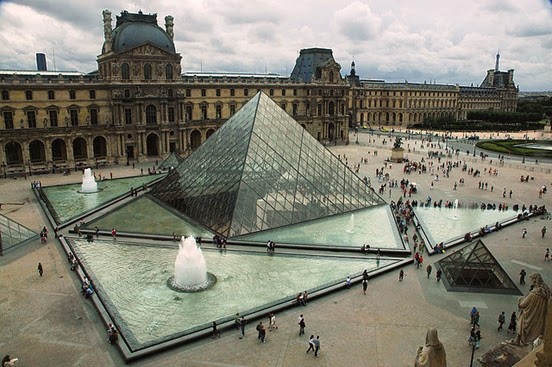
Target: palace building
[139, 105]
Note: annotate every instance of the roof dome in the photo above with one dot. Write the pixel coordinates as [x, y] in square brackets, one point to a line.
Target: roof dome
[133, 30]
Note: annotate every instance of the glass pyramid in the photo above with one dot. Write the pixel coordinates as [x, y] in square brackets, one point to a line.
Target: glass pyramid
[475, 269]
[261, 170]
[173, 160]
[12, 233]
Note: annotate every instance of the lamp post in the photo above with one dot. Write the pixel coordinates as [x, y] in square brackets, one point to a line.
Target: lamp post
[474, 150]
[128, 156]
[472, 353]
[356, 133]
[4, 169]
[30, 168]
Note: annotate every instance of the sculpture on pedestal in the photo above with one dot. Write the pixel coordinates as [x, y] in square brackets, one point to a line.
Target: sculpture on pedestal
[433, 353]
[532, 311]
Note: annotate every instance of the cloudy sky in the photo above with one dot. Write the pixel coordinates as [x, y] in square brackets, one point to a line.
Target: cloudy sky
[446, 41]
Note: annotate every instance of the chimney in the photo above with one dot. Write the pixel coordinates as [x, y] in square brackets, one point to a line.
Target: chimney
[41, 62]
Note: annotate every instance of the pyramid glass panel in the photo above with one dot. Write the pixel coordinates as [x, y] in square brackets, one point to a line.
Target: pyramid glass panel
[474, 268]
[173, 160]
[13, 233]
[261, 170]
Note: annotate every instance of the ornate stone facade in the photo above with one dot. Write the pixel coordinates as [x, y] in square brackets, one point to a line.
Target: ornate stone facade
[139, 105]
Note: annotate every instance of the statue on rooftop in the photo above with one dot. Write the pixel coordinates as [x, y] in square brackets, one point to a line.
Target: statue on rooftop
[532, 311]
[433, 353]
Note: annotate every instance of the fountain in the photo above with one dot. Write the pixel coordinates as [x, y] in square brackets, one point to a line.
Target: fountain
[351, 226]
[89, 183]
[455, 205]
[190, 269]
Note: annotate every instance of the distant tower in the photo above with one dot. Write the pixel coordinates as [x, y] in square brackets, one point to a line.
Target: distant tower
[497, 61]
[41, 62]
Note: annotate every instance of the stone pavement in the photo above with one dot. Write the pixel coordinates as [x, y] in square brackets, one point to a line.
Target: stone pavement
[45, 321]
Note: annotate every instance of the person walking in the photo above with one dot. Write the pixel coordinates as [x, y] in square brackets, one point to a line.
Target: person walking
[401, 275]
[523, 232]
[40, 269]
[316, 345]
[114, 234]
[301, 322]
[438, 274]
[472, 314]
[522, 275]
[547, 255]
[364, 286]
[428, 270]
[311, 344]
[501, 320]
[543, 231]
[476, 319]
[513, 323]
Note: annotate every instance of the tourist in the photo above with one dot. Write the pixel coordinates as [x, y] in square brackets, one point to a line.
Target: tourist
[472, 314]
[316, 345]
[401, 275]
[522, 275]
[348, 282]
[364, 286]
[97, 231]
[305, 297]
[112, 335]
[311, 344]
[513, 323]
[501, 320]
[428, 270]
[216, 333]
[543, 231]
[477, 339]
[243, 321]
[301, 322]
[547, 255]
[114, 234]
[523, 232]
[40, 269]
[272, 321]
[237, 321]
[7, 361]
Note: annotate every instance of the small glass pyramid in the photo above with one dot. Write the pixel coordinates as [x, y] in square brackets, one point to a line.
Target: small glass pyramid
[261, 170]
[474, 269]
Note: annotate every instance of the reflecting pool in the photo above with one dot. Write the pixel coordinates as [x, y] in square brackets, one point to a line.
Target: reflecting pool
[68, 203]
[374, 226]
[131, 279]
[444, 224]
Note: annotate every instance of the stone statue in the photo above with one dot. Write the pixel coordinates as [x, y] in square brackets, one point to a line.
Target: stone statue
[398, 142]
[433, 353]
[169, 25]
[532, 311]
[107, 29]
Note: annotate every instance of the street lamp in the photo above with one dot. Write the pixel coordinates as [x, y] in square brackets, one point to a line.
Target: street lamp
[30, 168]
[4, 169]
[474, 150]
[128, 155]
[356, 133]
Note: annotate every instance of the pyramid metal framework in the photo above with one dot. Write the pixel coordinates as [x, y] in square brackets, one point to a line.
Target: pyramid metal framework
[474, 268]
[262, 170]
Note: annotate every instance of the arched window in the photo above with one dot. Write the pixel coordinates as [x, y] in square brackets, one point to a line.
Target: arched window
[125, 71]
[147, 72]
[151, 115]
[169, 72]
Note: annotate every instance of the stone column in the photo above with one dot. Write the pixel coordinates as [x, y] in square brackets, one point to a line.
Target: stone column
[544, 357]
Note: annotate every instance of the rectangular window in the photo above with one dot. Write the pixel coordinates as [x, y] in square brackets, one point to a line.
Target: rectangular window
[188, 92]
[283, 105]
[5, 95]
[218, 92]
[74, 117]
[283, 92]
[232, 109]
[294, 92]
[271, 92]
[72, 94]
[128, 116]
[204, 112]
[189, 113]
[219, 111]
[319, 110]
[203, 92]
[51, 95]
[92, 94]
[170, 111]
[232, 92]
[31, 119]
[53, 114]
[29, 95]
[246, 92]
[8, 119]
[94, 116]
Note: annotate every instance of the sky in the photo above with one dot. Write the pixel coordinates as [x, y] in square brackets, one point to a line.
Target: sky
[433, 41]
